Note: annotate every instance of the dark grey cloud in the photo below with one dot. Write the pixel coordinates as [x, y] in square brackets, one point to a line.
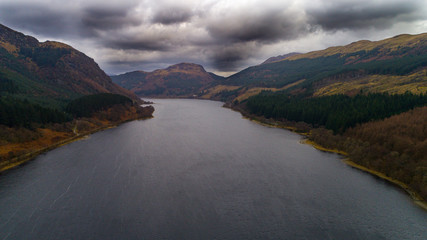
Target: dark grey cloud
[224, 35]
[142, 44]
[36, 18]
[172, 15]
[117, 66]
[230, 58]
[238, 37]
[122, 66]
[270, 26]
[103, 19]
[51, 21]
[361, 15]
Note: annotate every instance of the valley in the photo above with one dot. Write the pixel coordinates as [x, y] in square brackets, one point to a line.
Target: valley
[395, 67]
[389, 77]
[260, 119]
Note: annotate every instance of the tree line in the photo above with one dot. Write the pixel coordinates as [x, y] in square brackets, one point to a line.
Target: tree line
[336, 112]
[7, 85]
[44, 56]
[85, 106]
[383, 132]
[21, 113]
[16, 112]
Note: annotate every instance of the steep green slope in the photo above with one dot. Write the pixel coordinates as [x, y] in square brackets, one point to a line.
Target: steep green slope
[403, 55]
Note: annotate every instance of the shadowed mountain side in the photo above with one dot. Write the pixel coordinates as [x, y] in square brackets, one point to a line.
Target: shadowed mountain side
[50, 71]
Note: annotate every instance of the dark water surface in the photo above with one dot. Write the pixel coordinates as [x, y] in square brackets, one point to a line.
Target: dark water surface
[199, 171]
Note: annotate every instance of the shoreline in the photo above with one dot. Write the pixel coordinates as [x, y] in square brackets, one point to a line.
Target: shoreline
[24, 158]
[416, 199]
[412, 194]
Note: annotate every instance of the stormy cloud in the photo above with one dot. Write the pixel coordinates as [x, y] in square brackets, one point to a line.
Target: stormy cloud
[33, 17]
[266, 27]
[172, 15]
[105, 19]
[224, 36]
[229, 58]
[360, 15]
[143, 44]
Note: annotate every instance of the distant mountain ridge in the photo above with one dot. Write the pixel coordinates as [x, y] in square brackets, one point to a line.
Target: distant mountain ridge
[50, 71]
[280, 57]
[393, 65]
[179, 80]
[397, 46]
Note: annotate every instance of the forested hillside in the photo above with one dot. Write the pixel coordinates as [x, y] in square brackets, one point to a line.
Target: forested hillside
[37, 83]
[400, 55]
[367, 99]
[335, 112]
[383, 132]
[28, 129]
[87, 105]
[22, 113]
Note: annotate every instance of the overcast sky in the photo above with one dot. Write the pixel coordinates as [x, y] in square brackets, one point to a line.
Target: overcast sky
[223, 36]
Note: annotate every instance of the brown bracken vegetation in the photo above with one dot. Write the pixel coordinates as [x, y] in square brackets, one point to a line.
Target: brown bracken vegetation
[396, 146]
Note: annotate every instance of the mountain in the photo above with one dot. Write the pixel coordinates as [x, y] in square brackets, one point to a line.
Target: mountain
[366, 51]
[392, 65]
[180, 80]
[280, 58]
[52, 94]
[49, 73]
